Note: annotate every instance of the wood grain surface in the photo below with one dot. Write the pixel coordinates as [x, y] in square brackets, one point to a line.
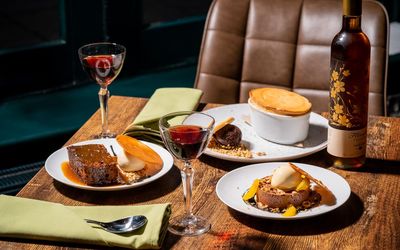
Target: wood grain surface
[368, 220]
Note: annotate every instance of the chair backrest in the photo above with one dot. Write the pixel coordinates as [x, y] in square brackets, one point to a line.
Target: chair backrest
[283, 43]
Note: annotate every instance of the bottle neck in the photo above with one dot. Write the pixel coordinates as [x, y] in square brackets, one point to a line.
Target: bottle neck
[351, 23]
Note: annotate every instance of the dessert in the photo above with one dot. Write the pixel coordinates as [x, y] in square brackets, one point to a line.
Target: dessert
[138, 160]
[279, 115]
[285, 178]
[227, 139]
[280, 101]
[273, 197]
[130, 163]
[228, 136]
[286, 191]
[93, 164]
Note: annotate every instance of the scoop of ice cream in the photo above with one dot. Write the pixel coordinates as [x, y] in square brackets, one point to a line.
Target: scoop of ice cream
[130, 163]
[285, 178]
[229, 135]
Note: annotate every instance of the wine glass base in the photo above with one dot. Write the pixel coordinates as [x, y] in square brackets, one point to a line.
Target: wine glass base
[105, 135]
[188, 225]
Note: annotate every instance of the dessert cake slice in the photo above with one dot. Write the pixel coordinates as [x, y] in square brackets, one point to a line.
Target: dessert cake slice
[93, 164]
[277, 198]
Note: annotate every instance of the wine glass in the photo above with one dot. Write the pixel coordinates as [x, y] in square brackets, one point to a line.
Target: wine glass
[103, 62]
[186, 135]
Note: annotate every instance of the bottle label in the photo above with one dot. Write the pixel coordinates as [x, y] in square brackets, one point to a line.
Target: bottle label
[347, 143]
[348, 94]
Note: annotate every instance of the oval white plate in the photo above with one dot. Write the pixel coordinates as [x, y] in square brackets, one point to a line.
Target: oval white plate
[54, 161]
[234, 184]
[316, 140]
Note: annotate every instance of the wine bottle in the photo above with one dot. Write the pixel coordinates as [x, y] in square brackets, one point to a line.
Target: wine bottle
[349, 87]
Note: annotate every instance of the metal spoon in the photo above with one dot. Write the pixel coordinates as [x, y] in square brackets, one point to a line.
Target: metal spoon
[120, 226]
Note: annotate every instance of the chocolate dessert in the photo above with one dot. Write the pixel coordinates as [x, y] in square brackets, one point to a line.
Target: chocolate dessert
[228, 136]
[277, 198]
[288, 190]
[227, 139]
[93, 164]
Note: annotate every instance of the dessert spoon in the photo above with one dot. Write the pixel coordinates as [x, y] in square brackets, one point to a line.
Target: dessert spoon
[120, 226]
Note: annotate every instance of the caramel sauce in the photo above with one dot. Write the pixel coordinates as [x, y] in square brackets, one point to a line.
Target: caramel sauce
[70, 175]
[327, 198]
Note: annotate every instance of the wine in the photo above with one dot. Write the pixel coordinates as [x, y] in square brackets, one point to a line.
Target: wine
[102, 68]
[349, 87]
[103, 62]
[187, 141]
[186, 135]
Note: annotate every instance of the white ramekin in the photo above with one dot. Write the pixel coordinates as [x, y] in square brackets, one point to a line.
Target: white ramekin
[282, 129]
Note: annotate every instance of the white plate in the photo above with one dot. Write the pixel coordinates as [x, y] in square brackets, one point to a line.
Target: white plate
[234, 184]
[316, 140]
[54, 161]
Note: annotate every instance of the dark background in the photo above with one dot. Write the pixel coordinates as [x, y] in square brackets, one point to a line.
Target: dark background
[41, 75]
[39, 39]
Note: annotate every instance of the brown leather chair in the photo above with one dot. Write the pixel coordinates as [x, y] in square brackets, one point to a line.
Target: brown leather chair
[283, 43]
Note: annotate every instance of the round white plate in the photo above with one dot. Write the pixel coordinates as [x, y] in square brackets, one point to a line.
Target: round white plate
[54, 161]
[316, 140]
[234, 184]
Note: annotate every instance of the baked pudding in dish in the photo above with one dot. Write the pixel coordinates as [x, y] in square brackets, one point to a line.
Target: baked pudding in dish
[280, 101]
[279, 115]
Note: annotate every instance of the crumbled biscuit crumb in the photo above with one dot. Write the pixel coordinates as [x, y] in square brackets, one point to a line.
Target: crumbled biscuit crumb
[261, 153]
[238, 151]
[129, 177]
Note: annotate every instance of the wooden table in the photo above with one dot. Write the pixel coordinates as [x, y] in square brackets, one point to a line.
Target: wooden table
[370, 219]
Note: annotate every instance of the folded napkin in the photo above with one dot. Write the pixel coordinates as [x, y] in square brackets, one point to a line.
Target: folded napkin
[162, 102]
[34, 219]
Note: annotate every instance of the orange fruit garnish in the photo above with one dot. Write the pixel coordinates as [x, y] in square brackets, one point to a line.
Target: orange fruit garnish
[290, 211]
[252, 190]
[138, 149]
[303, 185]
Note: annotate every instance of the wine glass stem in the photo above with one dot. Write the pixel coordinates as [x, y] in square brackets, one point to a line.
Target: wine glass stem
[104, 94]
[187, 179]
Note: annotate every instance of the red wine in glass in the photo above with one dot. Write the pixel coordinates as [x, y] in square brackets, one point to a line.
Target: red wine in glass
[187, 141]
[186, 135]
[102, 68]
[103, 62]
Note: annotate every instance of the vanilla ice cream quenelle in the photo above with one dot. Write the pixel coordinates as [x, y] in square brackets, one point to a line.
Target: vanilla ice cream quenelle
[130, 163]
[285, 178]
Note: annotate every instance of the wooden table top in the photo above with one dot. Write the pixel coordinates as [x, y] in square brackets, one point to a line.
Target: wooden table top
[370, 219]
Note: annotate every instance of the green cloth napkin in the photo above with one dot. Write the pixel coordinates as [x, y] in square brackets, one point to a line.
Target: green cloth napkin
[162, 102]
[34, 219]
